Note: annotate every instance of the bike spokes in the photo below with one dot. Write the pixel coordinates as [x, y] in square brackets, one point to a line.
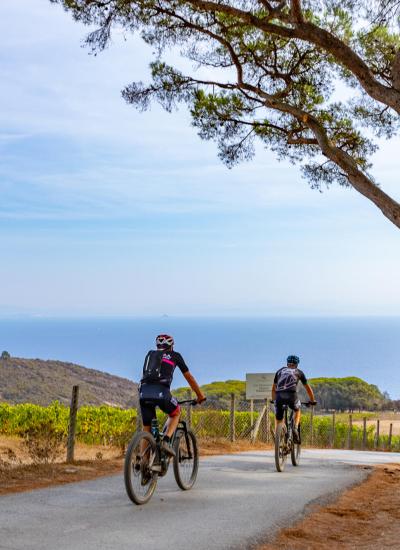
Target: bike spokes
[186, 462]
[140, 478]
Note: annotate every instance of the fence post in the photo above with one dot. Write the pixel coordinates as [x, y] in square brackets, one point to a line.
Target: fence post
[364, 440]
[189, 410]
[232, 419]
[350, 434]
[333, 428]
[139, 420]
[72, 424]
[251, 411]
[390, 437]
[312, 427]
[377, 433]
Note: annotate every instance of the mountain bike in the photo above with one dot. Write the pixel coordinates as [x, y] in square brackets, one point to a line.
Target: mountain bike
[146, 461]
[284, 442]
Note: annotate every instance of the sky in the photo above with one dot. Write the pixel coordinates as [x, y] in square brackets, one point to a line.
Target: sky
[108, 211]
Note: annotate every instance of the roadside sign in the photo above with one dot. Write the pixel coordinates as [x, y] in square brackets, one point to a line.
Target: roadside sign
[259, 385]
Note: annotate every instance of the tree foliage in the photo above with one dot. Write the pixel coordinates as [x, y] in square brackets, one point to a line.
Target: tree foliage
[350, 393]
[313, 81]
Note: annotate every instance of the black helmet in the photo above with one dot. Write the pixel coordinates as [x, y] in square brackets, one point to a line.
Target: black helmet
[293, 360]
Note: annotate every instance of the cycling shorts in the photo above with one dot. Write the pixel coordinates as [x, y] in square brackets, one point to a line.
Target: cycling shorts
[289, 398]
[156, 395]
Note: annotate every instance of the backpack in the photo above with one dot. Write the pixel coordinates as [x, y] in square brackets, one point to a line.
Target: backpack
[152, 366]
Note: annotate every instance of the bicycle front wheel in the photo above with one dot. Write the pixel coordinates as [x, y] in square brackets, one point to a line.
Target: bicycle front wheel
[186, 461]
[140, 480]
[280, 448]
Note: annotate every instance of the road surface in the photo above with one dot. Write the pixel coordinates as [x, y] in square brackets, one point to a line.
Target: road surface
[238, 501]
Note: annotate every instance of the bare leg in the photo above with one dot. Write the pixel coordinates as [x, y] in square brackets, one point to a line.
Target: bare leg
[297, 416]
[277, 423]
[172, 424]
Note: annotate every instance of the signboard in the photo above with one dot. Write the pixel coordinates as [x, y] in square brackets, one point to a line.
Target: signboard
[259, 385]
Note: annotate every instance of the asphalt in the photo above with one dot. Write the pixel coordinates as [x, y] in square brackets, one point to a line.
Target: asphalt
[238, 501]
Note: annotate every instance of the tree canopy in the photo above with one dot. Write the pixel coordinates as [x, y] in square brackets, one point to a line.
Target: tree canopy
[349, 393]
[315, 81]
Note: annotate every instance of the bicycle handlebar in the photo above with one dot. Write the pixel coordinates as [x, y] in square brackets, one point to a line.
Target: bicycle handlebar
[306, 403]
[193, 402]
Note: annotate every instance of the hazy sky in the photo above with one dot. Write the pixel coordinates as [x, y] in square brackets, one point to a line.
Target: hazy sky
[105, 210]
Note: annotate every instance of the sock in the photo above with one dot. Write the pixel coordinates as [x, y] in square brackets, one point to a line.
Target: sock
[166, 438]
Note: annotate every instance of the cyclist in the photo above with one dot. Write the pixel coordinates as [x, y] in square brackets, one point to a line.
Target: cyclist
[154, 389]
[284, 391]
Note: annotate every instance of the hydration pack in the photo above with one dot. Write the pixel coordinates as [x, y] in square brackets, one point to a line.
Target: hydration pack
[152, 366]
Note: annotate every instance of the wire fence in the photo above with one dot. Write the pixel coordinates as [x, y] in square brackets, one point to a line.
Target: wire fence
[254, 421]
[233, 420]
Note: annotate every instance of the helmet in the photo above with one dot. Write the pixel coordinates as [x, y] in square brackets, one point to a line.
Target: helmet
[164, 341]
[293, 359]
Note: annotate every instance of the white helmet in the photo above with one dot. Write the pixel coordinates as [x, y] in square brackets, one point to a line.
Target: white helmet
[164, 341]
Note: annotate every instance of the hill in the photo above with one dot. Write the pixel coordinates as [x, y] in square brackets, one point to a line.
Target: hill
[41, 382]
[331, 393]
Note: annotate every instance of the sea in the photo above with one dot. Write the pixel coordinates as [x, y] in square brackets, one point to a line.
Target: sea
[217, 348]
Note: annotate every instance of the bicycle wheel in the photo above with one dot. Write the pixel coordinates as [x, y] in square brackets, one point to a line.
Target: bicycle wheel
[295, 452]
[140, 480]
[280, 448]
[186, 462]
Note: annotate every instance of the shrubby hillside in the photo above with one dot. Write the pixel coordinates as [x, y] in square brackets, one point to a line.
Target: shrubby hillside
[348, 393]
[42, 382]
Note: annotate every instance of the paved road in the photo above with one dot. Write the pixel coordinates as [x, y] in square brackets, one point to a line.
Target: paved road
[238, 500]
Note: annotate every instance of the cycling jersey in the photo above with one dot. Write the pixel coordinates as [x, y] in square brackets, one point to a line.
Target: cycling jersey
[156, 392]
[286, 379]
[169, 360]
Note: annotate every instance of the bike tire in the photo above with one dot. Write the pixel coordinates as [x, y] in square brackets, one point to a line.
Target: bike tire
[295, 452]
[134, 468]
[280, 448]
[185, 468]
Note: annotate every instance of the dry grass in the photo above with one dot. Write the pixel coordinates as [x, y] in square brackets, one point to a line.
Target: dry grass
[366, 516]
[384, 425]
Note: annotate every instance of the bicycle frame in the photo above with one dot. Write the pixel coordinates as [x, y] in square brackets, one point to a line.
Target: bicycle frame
[162, 461]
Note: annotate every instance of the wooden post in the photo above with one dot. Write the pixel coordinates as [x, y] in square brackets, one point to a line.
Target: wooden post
[312, 427]
[258, 423]
[364, 440]
[232, 419]
[189, 410]
[390, 437]
[350, 434]
[333, 428]
[251, 411]
[377, 433]
[267, 422]
[72, 424]
[139, 419]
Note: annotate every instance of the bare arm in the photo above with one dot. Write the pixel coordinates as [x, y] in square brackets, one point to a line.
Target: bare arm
[310, 392]
[273, 392]
[195, 387]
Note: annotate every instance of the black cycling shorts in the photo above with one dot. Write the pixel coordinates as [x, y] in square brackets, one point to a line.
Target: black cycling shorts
[289, 398]
[156, 395]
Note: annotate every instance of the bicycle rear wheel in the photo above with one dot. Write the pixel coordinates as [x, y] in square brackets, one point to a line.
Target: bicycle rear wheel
[280, 448]
[295, 452]
[186, 461]
[140, 480]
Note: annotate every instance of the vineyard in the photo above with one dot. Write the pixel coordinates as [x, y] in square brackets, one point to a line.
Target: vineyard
[113, 426]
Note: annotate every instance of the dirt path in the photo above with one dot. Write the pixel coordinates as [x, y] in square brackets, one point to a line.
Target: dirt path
[366, 516]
